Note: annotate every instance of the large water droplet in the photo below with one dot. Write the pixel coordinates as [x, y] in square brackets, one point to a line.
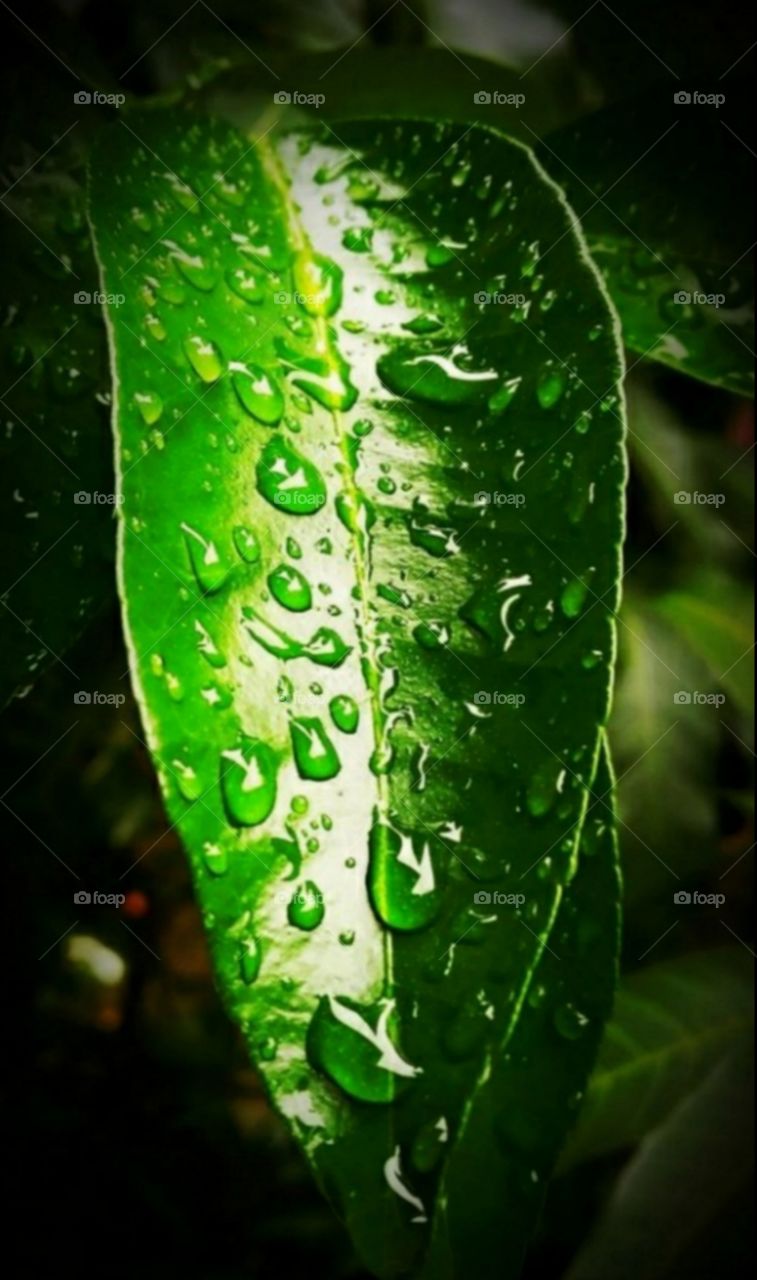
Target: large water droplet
[290, 588]
[434, 378]
[288, 481]
[258, 393]
[354, 1045]
[248, 782]
[401, 882]
[314, 752]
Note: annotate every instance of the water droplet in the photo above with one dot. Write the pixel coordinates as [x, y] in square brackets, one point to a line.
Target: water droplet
[434, 378]
[210, 568]
[248, 782]
[314, 752]
[573, 598]
[354, 1045]
[204, 357]
[570, 1022]
[187, 781]
[155, 328]
[358, 239]
[245, 286]
[318, 282]
[431, 635]
[249, 960]
[550, 387]
[504, 395]
[288, 481]
[344, 713]
[543, 788]
[150, 406]
[401, 882]
[215, 858]
[290, 588]
[258, 393]
[424, 323]
[306, 909]
[208, 647]
[246, 543]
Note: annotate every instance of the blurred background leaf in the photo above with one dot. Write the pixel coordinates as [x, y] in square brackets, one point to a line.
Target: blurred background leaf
[673, 1022]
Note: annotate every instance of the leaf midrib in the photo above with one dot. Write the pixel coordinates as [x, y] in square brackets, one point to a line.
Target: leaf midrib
[275, 171]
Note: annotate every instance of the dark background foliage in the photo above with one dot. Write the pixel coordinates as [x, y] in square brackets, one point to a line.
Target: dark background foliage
[143, 1140]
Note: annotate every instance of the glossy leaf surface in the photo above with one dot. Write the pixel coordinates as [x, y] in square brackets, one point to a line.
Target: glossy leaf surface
[369, 557]
[672, 1024]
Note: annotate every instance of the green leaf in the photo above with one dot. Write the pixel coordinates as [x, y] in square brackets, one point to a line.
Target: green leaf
[672, 1023]
[57, 495]
[687, 1187]
[715, 615]
[661, 190]
[667, 832]
[372, 694]
[506, 1134]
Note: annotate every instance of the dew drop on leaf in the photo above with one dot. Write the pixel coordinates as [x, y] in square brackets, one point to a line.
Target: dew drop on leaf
[248, 782]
